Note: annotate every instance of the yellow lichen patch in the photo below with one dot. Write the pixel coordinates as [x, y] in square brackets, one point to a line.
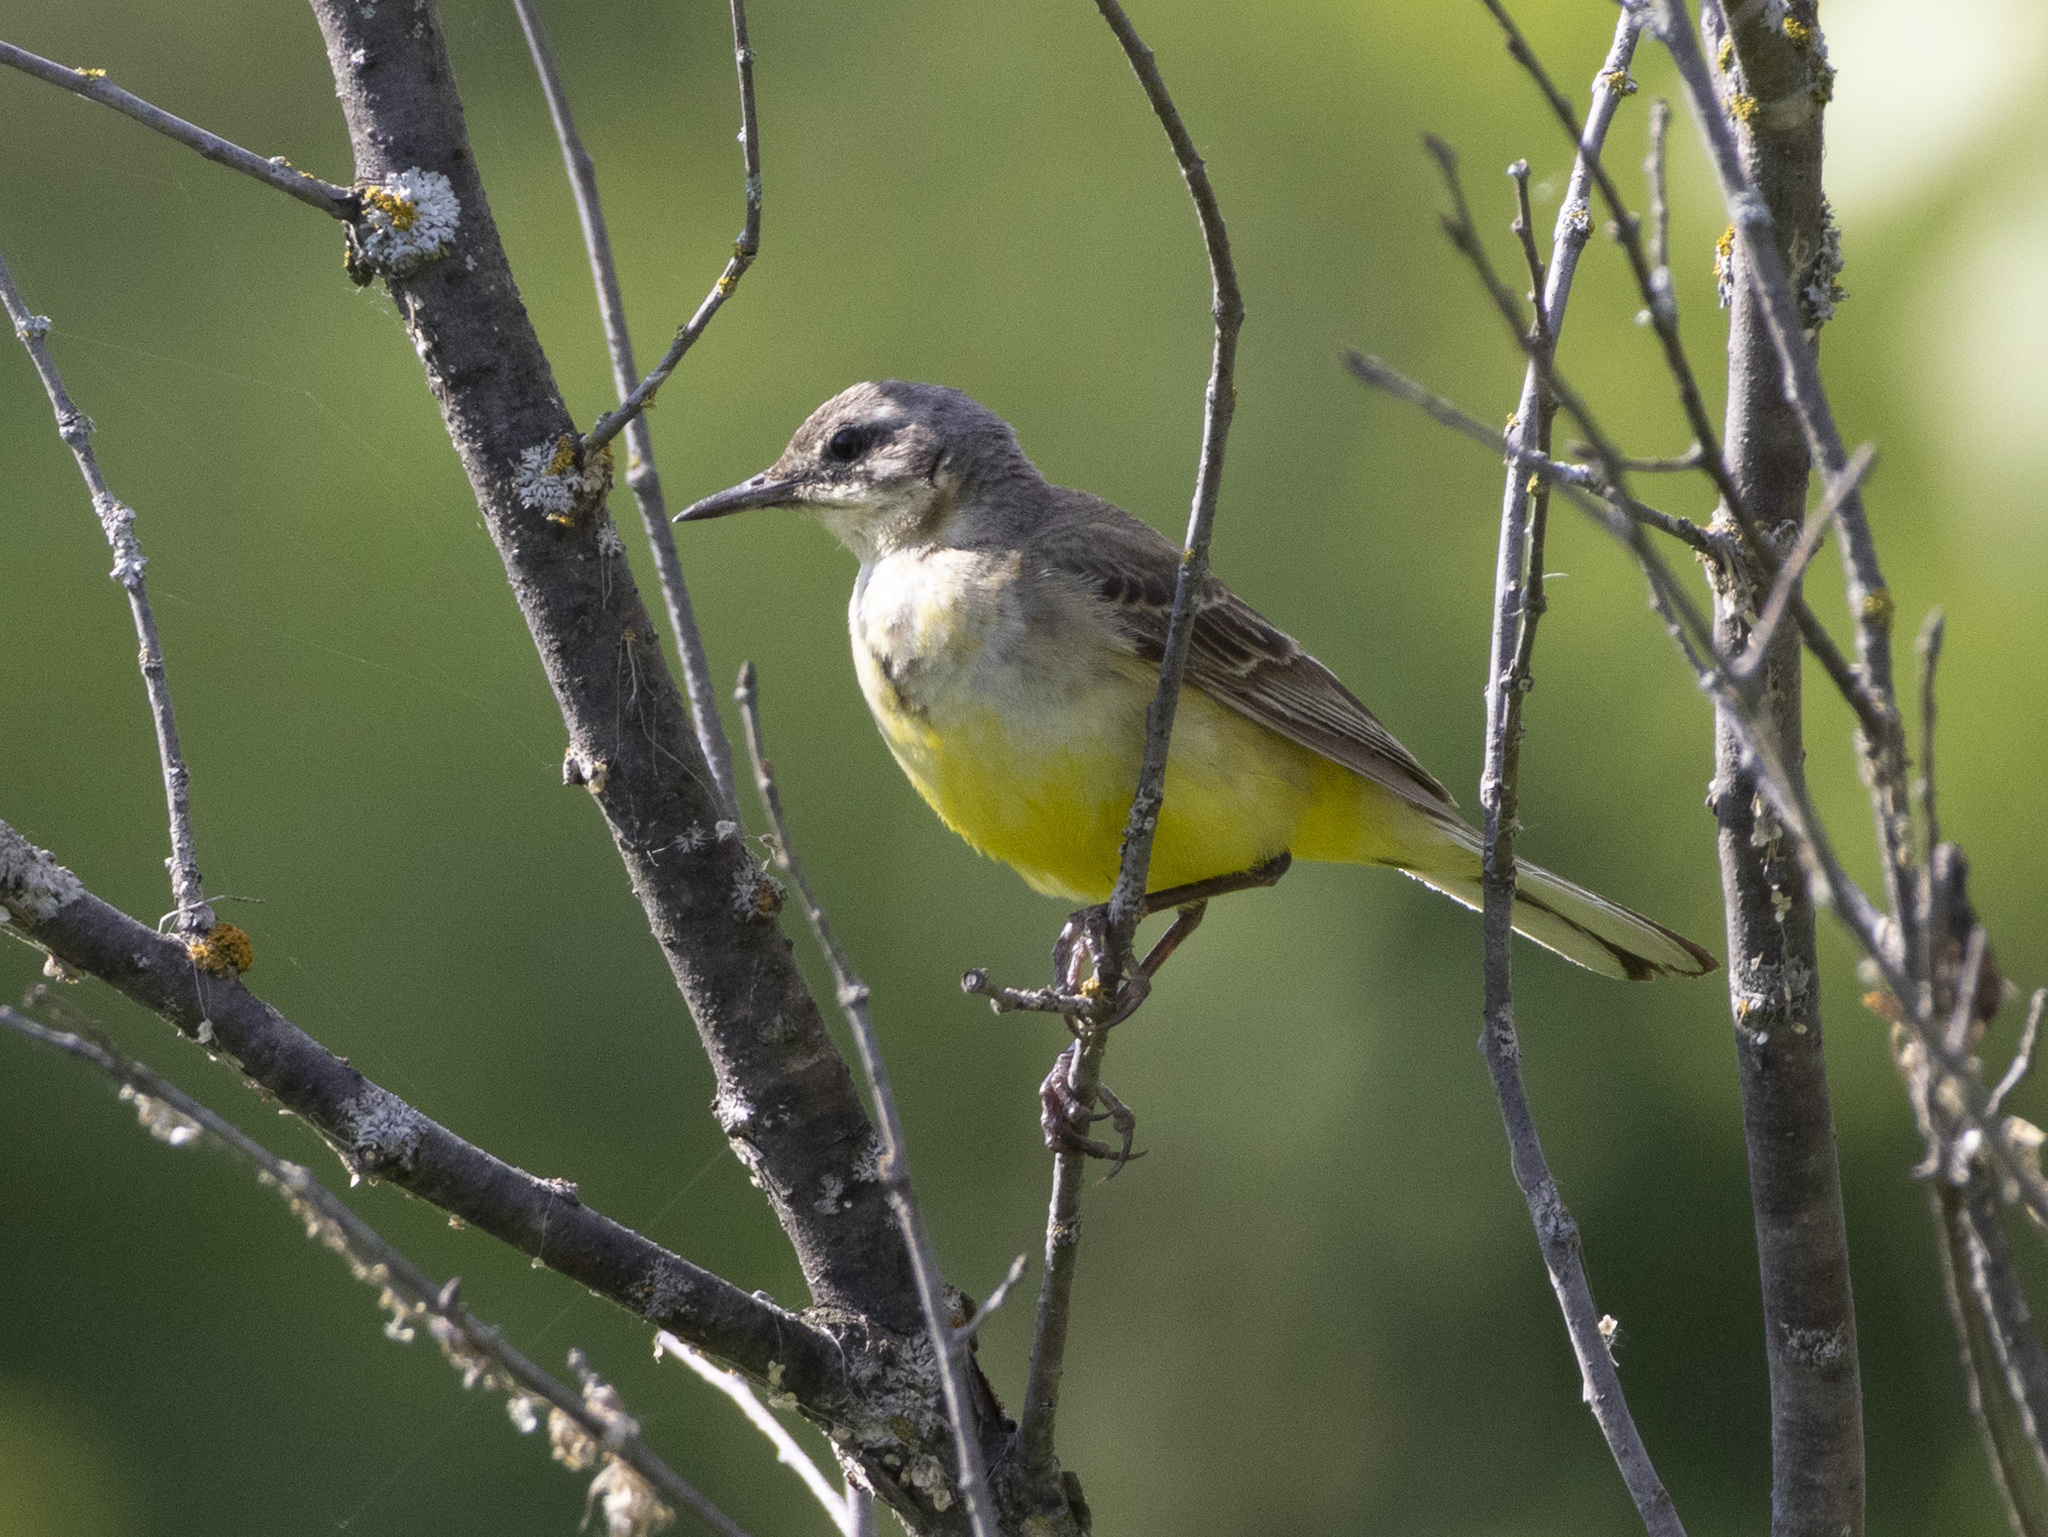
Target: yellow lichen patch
[1743, 107]
[1617, 81]
[565, 455]
[402, 212]
[224, 950]
[92, 74]
[1724, 246]
[1726, 55]
[1798, 33]
[1877, 606]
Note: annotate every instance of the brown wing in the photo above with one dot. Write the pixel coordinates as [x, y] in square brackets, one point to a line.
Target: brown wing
[1239, 659]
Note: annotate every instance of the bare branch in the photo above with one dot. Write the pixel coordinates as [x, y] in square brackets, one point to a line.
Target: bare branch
[744, 250]
[117, 522]
[892, 1164]
[2007, 1446]
[93, 85]
[1381, 375]
[1659, 297]
[1039, 1421]
[641, 475]
[1226, 308]
[1518, 605]
[630, 744]
[379, 1136]
[1660, 208]
[1870, 601]
[479, 1352]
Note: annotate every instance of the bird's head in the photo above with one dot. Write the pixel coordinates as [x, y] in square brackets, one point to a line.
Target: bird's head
[884, 465]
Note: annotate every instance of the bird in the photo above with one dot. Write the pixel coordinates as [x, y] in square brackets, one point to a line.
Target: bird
[1007, 634]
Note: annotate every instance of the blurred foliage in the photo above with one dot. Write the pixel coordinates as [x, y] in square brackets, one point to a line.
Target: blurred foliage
[1317, 1305]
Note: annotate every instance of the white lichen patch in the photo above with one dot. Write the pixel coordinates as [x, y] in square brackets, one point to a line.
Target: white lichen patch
[551, 479]
[867, 1164]
[165, 1122]
[609, 544]
[569, 1443]
[383, 1132]
[33, 886]
[408, 221]
[1821, 293]
[928, 1474]
[833, 1199]
[628, 1501]
[755, 893]
[733, 1110]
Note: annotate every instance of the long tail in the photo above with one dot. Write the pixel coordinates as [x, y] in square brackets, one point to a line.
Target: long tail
[1578, 924]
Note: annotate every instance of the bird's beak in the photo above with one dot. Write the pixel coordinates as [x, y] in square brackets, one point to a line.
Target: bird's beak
[763, 490]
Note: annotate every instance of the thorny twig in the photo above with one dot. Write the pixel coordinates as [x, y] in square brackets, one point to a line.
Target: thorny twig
[892, 1164]
[641, 475]
[117, 522]
[582, 1425]
[93, 85]
[744, 250]
[1518, 605]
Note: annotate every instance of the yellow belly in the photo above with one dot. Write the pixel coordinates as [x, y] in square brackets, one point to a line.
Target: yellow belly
[1050, 798]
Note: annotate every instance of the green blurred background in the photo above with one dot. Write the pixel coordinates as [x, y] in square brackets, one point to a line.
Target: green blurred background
[1317, 1305]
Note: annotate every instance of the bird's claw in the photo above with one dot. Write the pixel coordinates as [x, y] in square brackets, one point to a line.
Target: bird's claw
[1065, 1118]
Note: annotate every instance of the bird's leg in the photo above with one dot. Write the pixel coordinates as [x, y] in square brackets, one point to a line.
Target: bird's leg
[1083, 941]
[1085, 937]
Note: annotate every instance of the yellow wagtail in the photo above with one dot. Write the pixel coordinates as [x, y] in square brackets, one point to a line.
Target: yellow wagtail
[1007, 634]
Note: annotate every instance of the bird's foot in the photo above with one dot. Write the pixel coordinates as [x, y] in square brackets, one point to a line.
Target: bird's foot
[1066, 1117]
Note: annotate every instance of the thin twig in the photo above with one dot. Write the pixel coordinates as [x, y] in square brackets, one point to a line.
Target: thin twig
[1995, 1285]
[1378, 373]
[1669, 464]
[892, 1164]
[736, 1388]
[744, 250]
[117, 522]
[996, 1299]
[1660, 299]
[1786, 584]
[2023, 1054]
[641, 475]
[2007, 1446]
[93, 85]
[1226, 308]
[1127, 898]
[1928, 645]
[1518, 605]
[1524, 228]
[1660, 208]
[475, 1349]
[1458, 226]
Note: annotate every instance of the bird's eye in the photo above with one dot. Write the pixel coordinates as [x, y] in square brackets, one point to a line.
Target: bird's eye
[846, 444]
